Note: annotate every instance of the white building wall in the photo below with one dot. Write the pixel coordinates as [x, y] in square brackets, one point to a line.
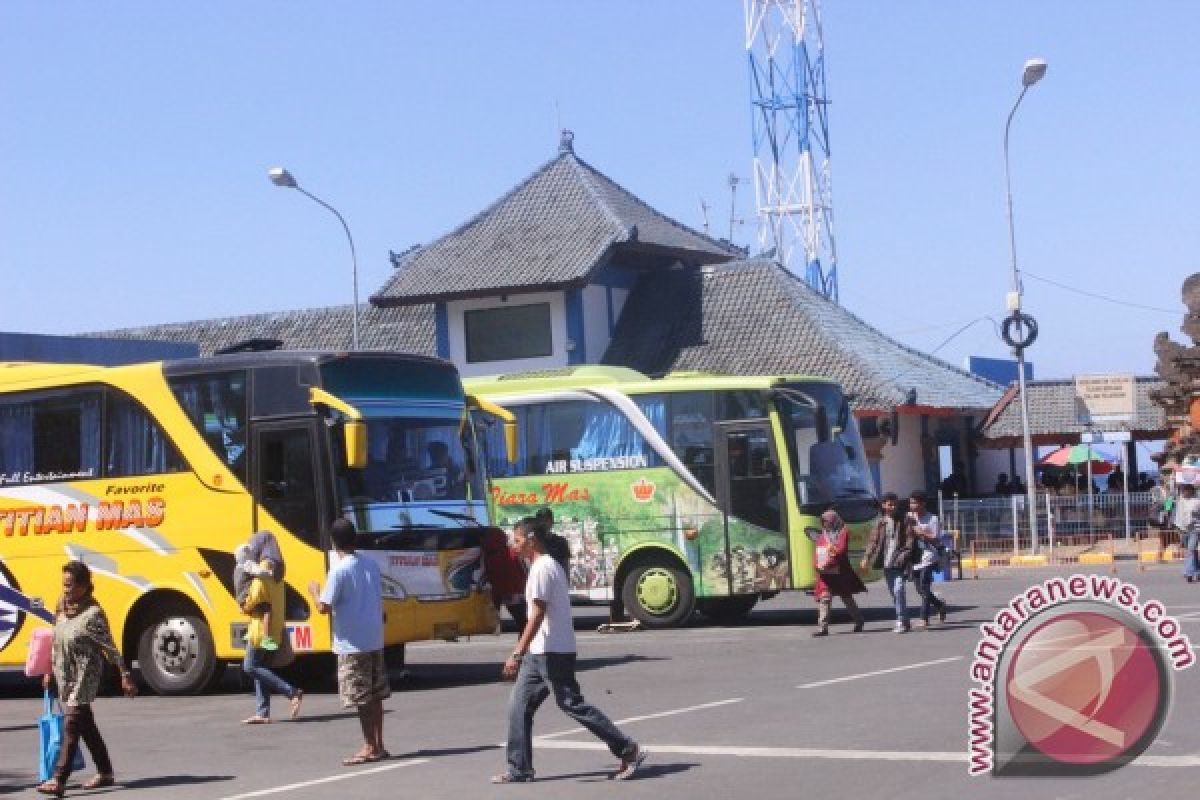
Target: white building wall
[901, 468]
[558, 334]
[595, 322]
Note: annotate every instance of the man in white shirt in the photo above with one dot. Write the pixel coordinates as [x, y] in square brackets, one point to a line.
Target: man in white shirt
[544, 662]
[927, 532]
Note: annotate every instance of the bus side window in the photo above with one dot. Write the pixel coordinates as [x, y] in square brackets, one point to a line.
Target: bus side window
[50, 436]
[134, 444]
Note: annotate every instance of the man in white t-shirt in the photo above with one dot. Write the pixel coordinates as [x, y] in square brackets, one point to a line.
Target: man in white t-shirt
[544, 662]
[925, 529]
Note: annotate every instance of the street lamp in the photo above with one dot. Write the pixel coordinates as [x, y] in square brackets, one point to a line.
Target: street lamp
[282, 178]
[1026, 328]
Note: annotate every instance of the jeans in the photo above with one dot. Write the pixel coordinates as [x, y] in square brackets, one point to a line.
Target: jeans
[923, 581]
[265, 681]
[538, 676]
[1191, 564]
[80, 723]
[893, 578]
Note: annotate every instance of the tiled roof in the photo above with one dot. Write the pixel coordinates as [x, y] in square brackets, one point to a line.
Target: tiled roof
[552, 230]
[409, 329]
[754, 317]
[1052, 412]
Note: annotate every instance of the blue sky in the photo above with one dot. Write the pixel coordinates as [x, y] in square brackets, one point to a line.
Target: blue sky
[135, 139]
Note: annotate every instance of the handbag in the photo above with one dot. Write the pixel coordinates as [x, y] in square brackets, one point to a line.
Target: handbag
[41, 643]
[50, 735]
[285, 655]
[825, 564]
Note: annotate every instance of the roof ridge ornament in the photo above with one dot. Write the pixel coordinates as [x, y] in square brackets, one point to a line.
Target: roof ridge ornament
[566, 142]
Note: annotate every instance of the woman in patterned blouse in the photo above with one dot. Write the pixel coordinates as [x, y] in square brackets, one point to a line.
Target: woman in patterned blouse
[82, 643]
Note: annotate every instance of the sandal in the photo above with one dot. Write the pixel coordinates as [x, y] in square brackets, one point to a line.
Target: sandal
[256, 720]
[295, 702]
[508, 777]
[99, 781]
[52, 787]
[358, 759]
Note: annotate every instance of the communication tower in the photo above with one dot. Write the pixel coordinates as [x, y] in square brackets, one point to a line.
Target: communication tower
[790, 125]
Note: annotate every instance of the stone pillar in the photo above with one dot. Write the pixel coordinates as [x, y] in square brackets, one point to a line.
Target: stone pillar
[1179, 366]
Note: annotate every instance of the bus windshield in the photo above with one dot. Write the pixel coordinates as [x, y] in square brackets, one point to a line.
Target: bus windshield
[415, 466]
[825, 448]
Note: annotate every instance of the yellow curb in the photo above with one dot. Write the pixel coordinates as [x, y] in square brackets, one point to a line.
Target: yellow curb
[1028, 561]
[1095, 558]
[975, 563]
[1149, 555]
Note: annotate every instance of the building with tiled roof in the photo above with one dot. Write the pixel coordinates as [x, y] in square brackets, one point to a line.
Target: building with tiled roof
[555, 230]
[1054, 418]
[570, 268]
[755, 317]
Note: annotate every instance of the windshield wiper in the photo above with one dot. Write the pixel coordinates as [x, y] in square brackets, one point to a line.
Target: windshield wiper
[454, 515]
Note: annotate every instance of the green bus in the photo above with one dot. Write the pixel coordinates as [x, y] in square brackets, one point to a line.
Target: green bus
[690, 491]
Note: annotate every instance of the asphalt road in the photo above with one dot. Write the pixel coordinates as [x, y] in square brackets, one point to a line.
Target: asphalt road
[753, 711]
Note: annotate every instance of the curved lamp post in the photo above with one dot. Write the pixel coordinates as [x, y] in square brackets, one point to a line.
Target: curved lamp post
[281, 177]
[1035, 68]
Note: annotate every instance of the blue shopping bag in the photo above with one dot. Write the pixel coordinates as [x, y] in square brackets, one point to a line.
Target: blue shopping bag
[50, 732]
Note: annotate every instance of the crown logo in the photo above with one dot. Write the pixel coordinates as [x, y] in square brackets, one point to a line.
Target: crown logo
[643, 490]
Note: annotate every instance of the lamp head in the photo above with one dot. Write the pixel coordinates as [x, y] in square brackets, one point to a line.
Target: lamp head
[281, 177]
[1035, 68]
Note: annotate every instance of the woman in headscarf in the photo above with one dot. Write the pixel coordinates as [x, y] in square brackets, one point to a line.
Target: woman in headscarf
[835, 576]
[82, 643]
[264, 602]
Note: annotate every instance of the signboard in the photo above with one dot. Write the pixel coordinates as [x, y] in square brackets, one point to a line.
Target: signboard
[1101, 437]
[1103, 398]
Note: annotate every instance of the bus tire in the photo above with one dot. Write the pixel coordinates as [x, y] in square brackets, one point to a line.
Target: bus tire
[659, 594]
[727, 610]
[175, 651]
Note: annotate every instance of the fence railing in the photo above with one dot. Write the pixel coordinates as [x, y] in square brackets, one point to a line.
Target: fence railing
[1065, 522]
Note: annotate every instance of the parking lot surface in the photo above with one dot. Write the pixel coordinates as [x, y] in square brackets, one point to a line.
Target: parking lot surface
[755, 710]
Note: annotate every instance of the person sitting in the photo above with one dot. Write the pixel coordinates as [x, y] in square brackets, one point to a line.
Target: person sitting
[440, 461]
[1003, 487]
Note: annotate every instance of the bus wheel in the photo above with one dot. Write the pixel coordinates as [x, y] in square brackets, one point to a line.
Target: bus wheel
[659, 595]
[727, 610]
[176, 653]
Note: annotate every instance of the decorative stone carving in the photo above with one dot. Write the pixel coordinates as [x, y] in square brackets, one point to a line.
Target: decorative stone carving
[1179, 366]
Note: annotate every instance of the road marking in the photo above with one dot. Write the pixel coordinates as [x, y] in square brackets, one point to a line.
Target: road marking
[660, 714]
[879, 672]
[841, 755]
[412, 762]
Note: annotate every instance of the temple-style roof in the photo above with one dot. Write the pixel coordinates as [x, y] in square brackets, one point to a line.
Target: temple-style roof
[409, 329]
[755, 317]
[552, 231]
[1053, 420]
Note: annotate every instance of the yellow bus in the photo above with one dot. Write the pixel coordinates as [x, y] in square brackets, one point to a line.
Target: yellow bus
[690, 491]
[153, 473]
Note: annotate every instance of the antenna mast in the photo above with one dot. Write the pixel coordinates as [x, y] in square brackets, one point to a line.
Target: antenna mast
[790, 127]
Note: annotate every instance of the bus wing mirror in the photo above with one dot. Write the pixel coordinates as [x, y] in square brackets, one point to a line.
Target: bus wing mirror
[510, 440]
[355, 432]
[509, 419]
[354, 427]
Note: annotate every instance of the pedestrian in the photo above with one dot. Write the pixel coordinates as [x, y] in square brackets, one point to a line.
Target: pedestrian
[544, 662]
[835, 576]
[927, 553]
[889, 549]
[353, 594]
[506, 573]
[82, 643]
[557, 546]
[1187, 524]
[264, 602]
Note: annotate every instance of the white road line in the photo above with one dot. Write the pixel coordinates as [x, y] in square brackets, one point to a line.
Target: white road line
[879, 672]
[840, 755]
[660, 714]
[291, 787]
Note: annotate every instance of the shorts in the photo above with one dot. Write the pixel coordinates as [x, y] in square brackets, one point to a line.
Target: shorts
[362, 678]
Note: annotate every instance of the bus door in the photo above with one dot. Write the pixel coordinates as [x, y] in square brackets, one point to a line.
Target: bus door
[749, 492]
[286, 485]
